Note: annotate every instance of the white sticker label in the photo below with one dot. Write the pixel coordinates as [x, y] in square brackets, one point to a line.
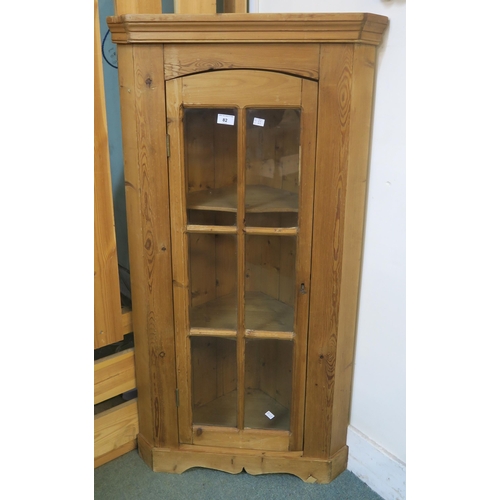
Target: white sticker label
[269, 415]
[259, 122]
[225, 119]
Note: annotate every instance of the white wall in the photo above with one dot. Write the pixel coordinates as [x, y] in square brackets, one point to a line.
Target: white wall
[379, 395]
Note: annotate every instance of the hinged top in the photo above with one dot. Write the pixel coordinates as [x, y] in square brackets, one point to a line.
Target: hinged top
[248, 28]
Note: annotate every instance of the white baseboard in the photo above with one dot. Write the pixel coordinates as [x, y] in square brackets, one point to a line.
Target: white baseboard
[381, 471]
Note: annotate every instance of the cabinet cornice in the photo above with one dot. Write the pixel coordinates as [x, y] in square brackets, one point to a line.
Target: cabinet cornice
[248, 28]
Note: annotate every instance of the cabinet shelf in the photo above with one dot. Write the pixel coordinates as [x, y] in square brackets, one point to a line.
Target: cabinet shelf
[259, 199]
[222, 411]
[262, 312]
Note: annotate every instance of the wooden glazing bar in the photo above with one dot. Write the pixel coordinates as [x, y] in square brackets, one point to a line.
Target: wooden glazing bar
[212, 332]
[194, 228]
[240, 218]
[262, 334]
[272, 231]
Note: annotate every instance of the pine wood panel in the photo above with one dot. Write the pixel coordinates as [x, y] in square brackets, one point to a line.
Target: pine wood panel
[303, 262]
[114, 429]
[254, 462]
[127, 325]
[107, 306]
[115, 453]
[300, 60]
[177, 178]
[114, 375]
[195, 6]
[360, 125]
[327, 251]
[319, 415]
[241, 88]
[126, 79]
[241, 28]
[236, 6]
[251, 439]
[142, 95]
[137, 7]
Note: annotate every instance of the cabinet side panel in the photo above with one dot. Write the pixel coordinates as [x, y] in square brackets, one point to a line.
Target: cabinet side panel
[155, 280]
[360, 126]
[134, 222]
[327, 250]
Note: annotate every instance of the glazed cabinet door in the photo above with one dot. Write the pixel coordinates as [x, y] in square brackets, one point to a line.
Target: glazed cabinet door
[241, 169]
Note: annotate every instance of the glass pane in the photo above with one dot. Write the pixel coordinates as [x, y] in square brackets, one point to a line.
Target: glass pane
[272, 167]
[212, 280]
[270, 283]
[268, 383]
[214, 400]
[209, 218]
[210, 143]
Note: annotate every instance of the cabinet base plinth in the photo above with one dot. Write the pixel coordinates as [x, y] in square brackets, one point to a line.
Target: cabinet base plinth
[234, 461]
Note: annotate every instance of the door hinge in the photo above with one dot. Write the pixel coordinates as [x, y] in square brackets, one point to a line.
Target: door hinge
[177, 397]
[168, 146]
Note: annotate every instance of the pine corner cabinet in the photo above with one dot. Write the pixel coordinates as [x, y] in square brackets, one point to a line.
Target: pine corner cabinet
[246, 145]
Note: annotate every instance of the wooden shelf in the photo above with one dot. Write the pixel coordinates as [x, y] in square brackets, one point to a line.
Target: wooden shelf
[218, 314]
[262, 313]
[222, 411]
[258, 199]
[257, 403]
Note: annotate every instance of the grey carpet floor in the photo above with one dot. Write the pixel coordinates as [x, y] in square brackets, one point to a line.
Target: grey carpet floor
[129, 478]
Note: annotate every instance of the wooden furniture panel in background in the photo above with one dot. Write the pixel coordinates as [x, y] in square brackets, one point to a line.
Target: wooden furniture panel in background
[195, 6]
[115, 432]
[236, 6]
[137, 7]
[114, 375]
[107, 307]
